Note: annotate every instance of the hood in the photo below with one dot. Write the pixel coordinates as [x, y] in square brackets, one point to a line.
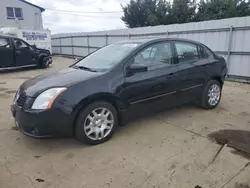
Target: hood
[62, 78]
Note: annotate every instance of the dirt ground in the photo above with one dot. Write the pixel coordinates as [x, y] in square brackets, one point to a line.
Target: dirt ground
[167, 150]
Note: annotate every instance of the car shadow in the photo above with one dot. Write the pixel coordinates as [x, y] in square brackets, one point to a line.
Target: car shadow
[24, 69]
[53, 143]
[149, 115]
[27, 69]
[65, 143]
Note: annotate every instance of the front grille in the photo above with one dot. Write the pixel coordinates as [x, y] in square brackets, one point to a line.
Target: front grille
[21, 99]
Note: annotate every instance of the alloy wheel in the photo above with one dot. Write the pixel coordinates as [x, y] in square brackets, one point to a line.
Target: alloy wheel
[214, 94]
[99, 123]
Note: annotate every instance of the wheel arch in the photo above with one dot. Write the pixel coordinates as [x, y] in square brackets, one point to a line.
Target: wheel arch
[40, 58]
[107, 97]
[219, 79]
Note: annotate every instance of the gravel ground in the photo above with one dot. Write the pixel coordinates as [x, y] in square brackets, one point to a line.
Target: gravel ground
[170, 149]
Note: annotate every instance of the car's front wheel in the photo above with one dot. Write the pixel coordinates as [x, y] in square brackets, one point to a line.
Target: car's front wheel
[96, 123]
[211, 94]
[44, 62]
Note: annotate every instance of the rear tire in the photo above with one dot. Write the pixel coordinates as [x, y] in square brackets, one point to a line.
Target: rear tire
[96, 123]
[211, 95]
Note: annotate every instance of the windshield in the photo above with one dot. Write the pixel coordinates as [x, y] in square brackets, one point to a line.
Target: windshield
[106, 57]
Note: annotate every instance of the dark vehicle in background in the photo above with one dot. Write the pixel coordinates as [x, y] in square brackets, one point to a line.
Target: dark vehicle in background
[93, 96]
[16, 53]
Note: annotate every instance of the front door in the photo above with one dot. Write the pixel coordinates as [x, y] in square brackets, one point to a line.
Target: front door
[25, 54]
[6, 53]
[154, 89]
[191, 75]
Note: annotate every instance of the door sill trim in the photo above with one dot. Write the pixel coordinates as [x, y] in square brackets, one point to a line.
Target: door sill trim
[12, 68]
[154, 97]
[192, 87]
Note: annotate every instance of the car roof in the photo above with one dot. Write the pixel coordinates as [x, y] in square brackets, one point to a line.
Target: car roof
[156, 39]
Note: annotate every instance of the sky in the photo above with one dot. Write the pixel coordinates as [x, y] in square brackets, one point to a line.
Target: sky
[67, 22]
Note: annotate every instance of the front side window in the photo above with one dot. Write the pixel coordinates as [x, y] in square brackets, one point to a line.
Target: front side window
[155, 56]
[106, 57]
[14, 13]
[20, 44]
[149, 52]
[186, 52]
[4, 43]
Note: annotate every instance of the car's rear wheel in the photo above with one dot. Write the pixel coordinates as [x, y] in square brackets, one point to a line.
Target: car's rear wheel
[211, 94]
[96, 123]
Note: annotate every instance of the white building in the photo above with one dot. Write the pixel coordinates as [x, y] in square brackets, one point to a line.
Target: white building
[20, 14]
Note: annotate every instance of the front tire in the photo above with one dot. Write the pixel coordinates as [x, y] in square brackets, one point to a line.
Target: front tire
[211, 95]
[96, 123]
[44, 62]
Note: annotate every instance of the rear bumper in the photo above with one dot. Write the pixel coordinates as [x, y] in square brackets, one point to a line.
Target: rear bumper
[42, 124]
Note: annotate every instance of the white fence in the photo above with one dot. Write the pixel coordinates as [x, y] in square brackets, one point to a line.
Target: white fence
[229, 38]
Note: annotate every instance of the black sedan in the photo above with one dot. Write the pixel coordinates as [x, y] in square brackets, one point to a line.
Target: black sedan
[15, 53]
[95, 95]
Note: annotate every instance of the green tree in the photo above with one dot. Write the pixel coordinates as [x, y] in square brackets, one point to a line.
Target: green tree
[243, 8]
[183, 11]
[219, 9]
[163, 12]
[134, 14]
[139, 13]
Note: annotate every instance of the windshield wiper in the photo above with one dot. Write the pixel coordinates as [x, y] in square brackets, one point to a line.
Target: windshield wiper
[84, 68]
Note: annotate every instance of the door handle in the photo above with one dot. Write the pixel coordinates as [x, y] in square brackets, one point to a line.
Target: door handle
[171, 75]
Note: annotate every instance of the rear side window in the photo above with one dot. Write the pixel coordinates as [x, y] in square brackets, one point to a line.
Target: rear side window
[203, 52]
[187, 52]
[4, 43]
[208, 52]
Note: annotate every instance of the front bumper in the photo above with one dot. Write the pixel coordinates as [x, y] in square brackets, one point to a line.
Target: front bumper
[42, 123]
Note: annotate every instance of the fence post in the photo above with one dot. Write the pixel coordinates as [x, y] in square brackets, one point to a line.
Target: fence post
[129, 36]
[88, 43]
[229, 46]
[106, 39]
[60, 42]
[71, 38]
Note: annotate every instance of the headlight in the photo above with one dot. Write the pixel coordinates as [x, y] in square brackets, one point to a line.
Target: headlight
[46, 98]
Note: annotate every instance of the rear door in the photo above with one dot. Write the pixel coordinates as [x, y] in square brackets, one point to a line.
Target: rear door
[191, 67]
[25, 54]
[6, 53]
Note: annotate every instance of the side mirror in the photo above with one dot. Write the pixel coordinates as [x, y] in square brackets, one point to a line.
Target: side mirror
[135, 68]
